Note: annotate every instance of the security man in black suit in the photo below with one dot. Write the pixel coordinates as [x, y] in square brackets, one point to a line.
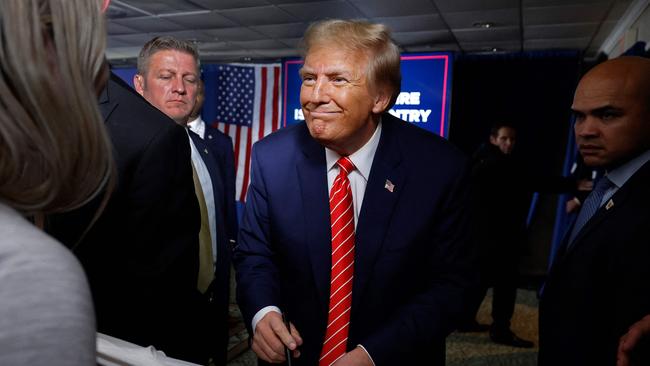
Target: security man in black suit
[599, 282]
[141, 254]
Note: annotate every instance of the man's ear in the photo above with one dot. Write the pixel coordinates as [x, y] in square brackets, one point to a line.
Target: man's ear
[493, 140]
[138, 83]
[381, 102]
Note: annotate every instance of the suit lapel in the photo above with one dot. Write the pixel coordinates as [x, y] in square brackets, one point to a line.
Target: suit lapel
[312, 176]
[619, 200]
[106, 107]
[377, 208]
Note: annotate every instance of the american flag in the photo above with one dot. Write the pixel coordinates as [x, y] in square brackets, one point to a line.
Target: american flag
[244, 102]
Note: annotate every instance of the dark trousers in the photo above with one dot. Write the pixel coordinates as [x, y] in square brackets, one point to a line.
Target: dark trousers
[504, 295]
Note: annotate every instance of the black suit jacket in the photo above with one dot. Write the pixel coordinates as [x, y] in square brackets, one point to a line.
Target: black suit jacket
[216, 150]
[411, 268]
[601, 285]
[141, 256]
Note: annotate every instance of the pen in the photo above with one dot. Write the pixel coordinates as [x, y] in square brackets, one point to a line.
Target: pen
[287, 351]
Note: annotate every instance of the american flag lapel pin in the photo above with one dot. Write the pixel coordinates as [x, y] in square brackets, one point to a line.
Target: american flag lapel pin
[389, 186]
[609, 204]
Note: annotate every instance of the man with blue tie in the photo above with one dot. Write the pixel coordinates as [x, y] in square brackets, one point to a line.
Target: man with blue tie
[355, 222]
[168, 77]
[599, 282]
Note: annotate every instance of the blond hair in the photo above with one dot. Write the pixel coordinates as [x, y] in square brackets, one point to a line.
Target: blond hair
[55, 154]
[360, 36]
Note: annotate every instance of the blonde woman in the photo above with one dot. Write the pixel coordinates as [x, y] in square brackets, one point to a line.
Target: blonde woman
[54, 156]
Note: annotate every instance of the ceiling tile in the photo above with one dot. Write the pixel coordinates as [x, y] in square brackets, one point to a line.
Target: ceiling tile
[501, 17]
[282, 30]
[211, 46]
[390, 8]
[452, 47]
[619, 8]
[487, 35]
[258, 15]
[446, 6]
[321, 10]
[266, 44]
[407, 39]
[133, 40]
[114, 28]
[164, 6]
[508, 46]
[537, 3]
[235, 34]
[557, 44]
[560, 31]
[190, 35]
[149, 24]
[229, 4]
[203, 21]
[116, 11]
[292, 42]
[413, 23]
[580, 13]
[292, 1]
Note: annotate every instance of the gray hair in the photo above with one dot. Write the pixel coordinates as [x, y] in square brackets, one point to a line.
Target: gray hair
[55, 154]
[360, 36]
[164, 43]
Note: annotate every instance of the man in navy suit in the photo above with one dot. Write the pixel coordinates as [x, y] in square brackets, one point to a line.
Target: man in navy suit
[599, 282]
[217, 153]
[395, 191]
[168, 77]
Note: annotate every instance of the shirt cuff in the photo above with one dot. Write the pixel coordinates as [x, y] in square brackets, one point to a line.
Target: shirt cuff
[263, 311]
[366, 351]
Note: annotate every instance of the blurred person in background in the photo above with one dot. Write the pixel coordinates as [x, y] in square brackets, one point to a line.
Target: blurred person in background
[500, 205]
[54, 156]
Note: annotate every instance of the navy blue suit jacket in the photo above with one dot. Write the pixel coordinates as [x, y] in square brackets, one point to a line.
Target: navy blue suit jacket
[599, 286]
[217, 153]
[412, 254]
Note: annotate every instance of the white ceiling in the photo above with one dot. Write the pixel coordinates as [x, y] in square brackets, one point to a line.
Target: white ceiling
[244, 30]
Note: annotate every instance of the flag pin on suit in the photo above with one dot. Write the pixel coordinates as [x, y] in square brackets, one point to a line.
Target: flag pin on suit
[389, 186]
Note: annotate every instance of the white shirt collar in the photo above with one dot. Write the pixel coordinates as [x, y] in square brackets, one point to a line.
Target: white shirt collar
[361, 158]
[197, 126]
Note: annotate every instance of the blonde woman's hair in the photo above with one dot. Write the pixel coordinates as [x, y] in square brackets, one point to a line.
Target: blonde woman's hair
[55, 154]
[360, 36]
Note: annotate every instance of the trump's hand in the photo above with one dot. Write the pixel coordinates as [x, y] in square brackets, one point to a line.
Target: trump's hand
[630, 340]
[271, 336]
[356, 357]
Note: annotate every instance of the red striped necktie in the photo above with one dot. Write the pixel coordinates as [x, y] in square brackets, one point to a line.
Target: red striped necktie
[342, 223]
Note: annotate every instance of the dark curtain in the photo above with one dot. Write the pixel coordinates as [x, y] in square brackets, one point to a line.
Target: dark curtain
[533, 91]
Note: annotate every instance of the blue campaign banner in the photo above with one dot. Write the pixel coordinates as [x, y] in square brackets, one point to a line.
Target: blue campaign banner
[424, 100]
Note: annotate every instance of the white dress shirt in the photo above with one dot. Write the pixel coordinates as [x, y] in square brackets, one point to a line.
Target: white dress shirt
[197, 126]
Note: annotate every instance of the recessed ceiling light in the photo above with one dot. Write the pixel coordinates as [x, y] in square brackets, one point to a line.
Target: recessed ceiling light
[483, 25]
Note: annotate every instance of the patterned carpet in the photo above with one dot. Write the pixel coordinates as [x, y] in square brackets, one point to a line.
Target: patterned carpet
[470, 349]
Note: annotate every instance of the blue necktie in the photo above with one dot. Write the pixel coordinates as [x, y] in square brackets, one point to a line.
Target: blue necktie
[592, 203]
